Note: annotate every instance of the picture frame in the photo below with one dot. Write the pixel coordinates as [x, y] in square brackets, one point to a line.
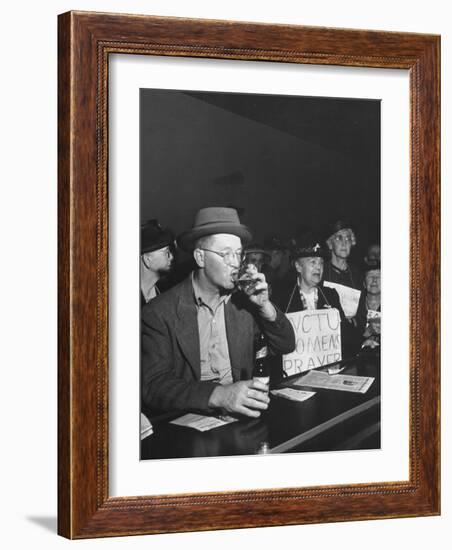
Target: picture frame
[86, 40]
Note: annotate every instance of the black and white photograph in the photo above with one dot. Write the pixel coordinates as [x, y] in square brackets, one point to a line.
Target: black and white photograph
[260, 223]
[197, 198]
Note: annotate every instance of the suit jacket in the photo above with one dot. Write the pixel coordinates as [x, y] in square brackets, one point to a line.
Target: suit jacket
[170, 365]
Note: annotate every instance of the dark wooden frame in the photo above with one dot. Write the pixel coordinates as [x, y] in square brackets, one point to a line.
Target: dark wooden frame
[85, 42]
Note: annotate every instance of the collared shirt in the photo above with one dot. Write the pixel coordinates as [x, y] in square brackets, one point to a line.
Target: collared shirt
[213, 344]
[151, 293]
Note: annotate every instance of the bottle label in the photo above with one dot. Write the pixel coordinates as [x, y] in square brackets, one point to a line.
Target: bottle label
[261, 353]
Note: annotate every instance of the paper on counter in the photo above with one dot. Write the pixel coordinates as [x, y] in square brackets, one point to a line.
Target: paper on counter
[335, 369]
[342, 382]
[202, 423]
[292, 394]
[145, 427]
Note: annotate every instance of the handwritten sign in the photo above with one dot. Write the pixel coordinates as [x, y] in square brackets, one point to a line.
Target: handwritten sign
[318, 340]
[349, 297]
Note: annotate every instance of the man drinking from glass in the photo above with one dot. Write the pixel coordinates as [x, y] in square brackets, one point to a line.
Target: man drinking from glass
[198, 337]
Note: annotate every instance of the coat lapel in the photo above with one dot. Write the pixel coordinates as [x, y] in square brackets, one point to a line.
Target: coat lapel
[295, 303]
[187, 328]
[323, 301]
[235, 339]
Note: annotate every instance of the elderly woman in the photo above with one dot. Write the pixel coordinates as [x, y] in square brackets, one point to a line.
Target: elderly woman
[372, 307]
[340, 273]
[340, 240]
[307, 292]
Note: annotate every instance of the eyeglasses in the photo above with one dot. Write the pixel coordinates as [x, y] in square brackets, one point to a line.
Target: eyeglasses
[342, 238]
[229, 256]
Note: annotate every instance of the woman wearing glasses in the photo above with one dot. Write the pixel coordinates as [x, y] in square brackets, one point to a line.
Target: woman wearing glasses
[340, 240]
[341, 274]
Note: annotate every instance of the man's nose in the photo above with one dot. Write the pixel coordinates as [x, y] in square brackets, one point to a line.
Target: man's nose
[235, 261]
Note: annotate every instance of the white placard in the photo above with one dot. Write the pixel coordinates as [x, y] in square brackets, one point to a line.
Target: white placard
[128, 476]
[349, 297]
[317, 340]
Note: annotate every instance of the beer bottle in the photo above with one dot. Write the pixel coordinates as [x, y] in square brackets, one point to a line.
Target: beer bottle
[261, 370]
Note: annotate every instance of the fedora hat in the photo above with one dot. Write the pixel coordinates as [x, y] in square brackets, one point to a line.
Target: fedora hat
[154, 237]
[213, 220]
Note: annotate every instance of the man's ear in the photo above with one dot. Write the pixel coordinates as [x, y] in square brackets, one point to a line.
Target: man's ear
[146, 260]
[329, 244]
[199, 257]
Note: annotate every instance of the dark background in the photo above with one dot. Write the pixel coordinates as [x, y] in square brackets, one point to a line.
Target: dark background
[285, 162]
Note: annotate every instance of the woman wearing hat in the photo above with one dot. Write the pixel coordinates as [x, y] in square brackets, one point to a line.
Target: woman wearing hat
[307, 292]
[343, 273]
[308, 257]
[338, 269]
[198, 337]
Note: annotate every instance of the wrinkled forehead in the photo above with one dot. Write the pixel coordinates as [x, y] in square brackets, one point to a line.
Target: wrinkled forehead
[226, 240]
[310, 260]
[373, 273]
[344, 232]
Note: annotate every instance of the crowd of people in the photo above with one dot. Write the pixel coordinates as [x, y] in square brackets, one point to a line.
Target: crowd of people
[198, 331]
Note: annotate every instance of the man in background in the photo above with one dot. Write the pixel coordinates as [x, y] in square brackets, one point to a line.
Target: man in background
[256, 255]
[372, 256]
[156, 258]
[279, 252]
[156, 262]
